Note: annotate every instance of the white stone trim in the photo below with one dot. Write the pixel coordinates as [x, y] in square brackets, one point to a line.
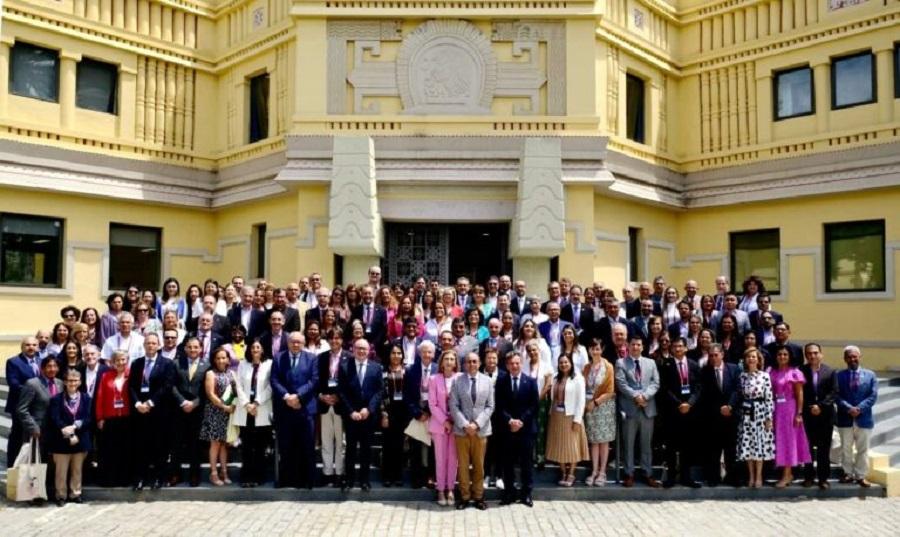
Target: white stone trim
[309, 241]
[421, 210]
[688, 261]
[68, 276]
[582, 244]
[206, 257]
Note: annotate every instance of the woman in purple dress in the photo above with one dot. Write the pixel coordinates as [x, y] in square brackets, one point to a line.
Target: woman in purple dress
[791, 446]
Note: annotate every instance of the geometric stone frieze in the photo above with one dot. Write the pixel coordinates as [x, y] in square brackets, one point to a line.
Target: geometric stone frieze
[354, 225]
[539, 228]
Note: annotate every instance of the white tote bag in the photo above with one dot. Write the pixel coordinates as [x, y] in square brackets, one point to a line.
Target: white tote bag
[27, 478]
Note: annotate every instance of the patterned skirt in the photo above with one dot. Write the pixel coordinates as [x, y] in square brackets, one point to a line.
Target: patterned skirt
[600, 423]
[563, 444]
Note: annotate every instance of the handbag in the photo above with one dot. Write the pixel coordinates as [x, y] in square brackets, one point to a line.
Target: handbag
[26, 480]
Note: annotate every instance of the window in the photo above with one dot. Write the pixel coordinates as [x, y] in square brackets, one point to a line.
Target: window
[854, 256]
[794, 93]
[34, 72]
[134, 256]
[259, 107]
[96, 86]
[30, 250]
[634, 108]
[852, 80]
[756, 253]
[258, 247]
[635, 247]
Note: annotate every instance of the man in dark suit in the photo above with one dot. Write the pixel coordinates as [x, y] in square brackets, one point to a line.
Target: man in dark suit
[554, 296]
[291, 316]
[602, 329]
[409, 341]
[502, 307]
[720, 392]
[150, 384]
[681, 327]
[18, 370]
[415, 396]
[680, 379]
[209, 339]
[330, 364]
[641, 322]
[818, 414]
[516, 398]
[360, 385]
[551, 329]
[518, 300]
[373, 317]
[581, 316]
[783, 340]
[494, 341]
[188, 393]
[764, 304]
[275, 341]
[295, 378]
[244, 314]
[220, 324]
[316, 313]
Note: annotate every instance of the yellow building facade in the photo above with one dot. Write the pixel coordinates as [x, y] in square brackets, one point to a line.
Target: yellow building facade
[604, 141]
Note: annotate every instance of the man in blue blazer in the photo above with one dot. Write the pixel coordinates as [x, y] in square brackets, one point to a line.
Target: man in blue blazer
[373, 318]
[551, 329]
[18, 370]
[360, 384]
[516, 396]
[295, 378]
[856, 390]
[415, 396]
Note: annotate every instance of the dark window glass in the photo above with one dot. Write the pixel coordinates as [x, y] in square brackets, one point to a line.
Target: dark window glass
[634, 104]
[794, 93]
[852, 80]
[259, 108]
[96, 86]
[757, 253]
[854, 256]
[34, 72]
[31, 250]
[259, 250]
[134, 256]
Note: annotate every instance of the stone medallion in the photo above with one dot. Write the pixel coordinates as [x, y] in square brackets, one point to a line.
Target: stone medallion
[446, 67]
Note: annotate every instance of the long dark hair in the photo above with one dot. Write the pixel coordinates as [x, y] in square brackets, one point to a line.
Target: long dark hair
[559, 373]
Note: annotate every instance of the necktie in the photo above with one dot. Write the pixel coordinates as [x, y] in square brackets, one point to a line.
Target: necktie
[719, 377]
[854, 380]
[293, 361]
[360, 371]
[52, 388]
[34, 366]
[192, 369]
[637, 370]
[682, 373]
[576, 311]
[368, 315]
[515, 385]
[472, 389]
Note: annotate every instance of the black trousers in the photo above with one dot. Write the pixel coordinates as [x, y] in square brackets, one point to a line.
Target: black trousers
[152, 433]
[296, 449]
[392, 456]
[359, 448]
[187, 448]
[114, 452]
[719, 441]
[493, 465]
[421, 463]
[679, 445]
[14, 443]
[254, 441]
[818, 432]
[518, 450]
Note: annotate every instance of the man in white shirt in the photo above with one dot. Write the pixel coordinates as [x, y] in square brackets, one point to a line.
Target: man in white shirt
[519, 299]
[493, 291]
[170, 344]
[124, 340]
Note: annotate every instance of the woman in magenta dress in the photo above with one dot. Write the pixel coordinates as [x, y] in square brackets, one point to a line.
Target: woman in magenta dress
[791, 446]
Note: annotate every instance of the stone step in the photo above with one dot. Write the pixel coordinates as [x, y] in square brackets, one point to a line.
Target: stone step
[892, 450]
[884, 411]
[885, 431]
[887, 394]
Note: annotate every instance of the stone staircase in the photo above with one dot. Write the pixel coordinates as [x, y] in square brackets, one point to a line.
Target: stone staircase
[885, 447]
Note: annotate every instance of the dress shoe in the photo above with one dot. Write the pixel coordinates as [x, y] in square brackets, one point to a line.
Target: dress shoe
[807, 483]
[195, 481]
[527, 501]
[387, 484]
[653, 483]
[60, 502]
[481, 505]
[668, 483]
[690, 483]
[628, 482]
[506, 500]
[824, 485]
[864, 483]
[365, 487]
[846, 479]
[462, 505]
[345, 485]
[38, 502]
[77, 499]
[173, 481]
[138, 486]
[157, 484]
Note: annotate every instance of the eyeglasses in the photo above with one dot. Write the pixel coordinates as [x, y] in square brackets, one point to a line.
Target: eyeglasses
[142, 310]
[170, 337]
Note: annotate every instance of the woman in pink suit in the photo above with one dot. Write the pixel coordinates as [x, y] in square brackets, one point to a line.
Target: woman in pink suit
[791, 446]
[441, 426]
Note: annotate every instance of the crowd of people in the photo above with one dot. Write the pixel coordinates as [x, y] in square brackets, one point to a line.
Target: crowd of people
[466, 384]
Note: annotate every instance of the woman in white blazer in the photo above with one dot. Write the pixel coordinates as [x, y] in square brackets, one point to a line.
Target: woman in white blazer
[253, 413]
[566, 438]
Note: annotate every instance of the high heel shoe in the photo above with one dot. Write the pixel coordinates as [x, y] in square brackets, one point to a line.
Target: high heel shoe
[570, 480]
[600, 481]
[589, 481]
[441, 498]
[214, 479]
[225, 478]
[451, 499]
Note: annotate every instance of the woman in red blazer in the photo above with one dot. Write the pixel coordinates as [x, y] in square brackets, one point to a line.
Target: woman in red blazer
[112, 407]
[441, 426]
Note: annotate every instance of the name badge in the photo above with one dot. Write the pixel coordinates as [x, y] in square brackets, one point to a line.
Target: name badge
[748, 404]
[560, 408]
[118, 403]
[145, 389]
[424, 396]
[332, 383]
[686, 390]
[780, 399]
[398, 396]
[368, 329]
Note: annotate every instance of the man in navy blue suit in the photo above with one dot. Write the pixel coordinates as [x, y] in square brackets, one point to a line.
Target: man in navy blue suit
[720, 391]
[373, 317]
[244, 314]
[415, 396]
[551, 329]
[18, 370]
[294, 381]
[517, 405]
[360, 385]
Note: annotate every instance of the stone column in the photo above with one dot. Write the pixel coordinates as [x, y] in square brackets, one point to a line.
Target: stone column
[355, 230]
[127, 101]
[538, 231]
[68, 62]
[822, 86]
[764, 115]
[5, 44]
[884, 67]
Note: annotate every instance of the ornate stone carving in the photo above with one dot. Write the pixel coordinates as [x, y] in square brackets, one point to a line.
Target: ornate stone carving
[528, 35]
[354, 225]
[446, 67]
[339, 33]
[539, 228]
[371, 79]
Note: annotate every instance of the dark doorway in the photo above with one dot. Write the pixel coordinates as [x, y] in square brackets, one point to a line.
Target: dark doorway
[445, 251]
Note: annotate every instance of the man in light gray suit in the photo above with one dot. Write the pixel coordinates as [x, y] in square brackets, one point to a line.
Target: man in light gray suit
[637, 381]
[471, 406]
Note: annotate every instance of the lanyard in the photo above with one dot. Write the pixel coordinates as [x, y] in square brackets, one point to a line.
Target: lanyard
[73, 408]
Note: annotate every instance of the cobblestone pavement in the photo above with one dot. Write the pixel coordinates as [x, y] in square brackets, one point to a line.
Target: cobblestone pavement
[353, 519]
